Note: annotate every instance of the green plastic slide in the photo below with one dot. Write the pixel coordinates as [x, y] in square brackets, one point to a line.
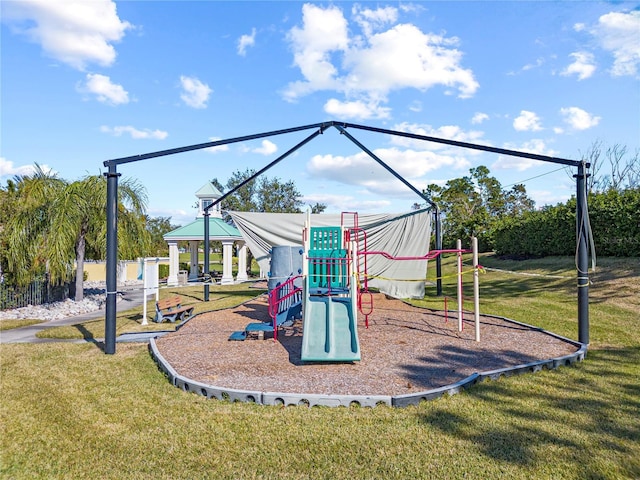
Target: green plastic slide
[330, 332]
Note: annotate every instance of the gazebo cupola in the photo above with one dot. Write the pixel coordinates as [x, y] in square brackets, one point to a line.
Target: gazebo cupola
[208, 194]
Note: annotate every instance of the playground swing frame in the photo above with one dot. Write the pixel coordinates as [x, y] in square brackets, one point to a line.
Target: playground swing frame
[112, 175]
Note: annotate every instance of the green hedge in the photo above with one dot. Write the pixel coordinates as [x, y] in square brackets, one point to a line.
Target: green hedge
[615, 222]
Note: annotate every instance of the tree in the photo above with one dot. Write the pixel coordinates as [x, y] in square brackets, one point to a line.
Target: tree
[261, 194]
[552, 230]
[517, 201]
[472, 205]
[624, 170]
[57, 222]
[158, 227]
[7, 203]
[461, 208]
[318, 207]
[244, 199]
[275, 196]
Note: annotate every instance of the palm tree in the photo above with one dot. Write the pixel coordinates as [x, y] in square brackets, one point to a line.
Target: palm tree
[58, 222]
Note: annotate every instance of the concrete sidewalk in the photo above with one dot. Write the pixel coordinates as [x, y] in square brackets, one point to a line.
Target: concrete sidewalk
[130, 299]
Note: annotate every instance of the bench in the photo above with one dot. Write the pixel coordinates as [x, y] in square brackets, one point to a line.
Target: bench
[171, 309]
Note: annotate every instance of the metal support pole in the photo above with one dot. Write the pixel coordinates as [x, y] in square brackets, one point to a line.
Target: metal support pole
[582, 254]
[112, 261]
[476, 288]
[460, 306]
[414, 189]
[438, 247]
[206, 255]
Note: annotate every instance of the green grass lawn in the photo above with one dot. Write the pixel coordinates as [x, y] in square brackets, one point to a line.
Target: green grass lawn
[220, 297]
[11, 323]
[69, 411]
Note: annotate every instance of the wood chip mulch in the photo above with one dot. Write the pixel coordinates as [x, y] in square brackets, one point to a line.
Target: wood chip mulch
[405, 350]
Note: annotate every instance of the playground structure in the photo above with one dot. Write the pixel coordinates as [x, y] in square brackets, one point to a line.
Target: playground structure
[325, 291]
[582, 249]
[332, 293]
[329, 285]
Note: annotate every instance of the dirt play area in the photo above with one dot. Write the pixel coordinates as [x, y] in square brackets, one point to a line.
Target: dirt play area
[405, 350]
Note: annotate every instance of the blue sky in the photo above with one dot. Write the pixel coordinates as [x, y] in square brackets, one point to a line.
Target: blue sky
[84, 82]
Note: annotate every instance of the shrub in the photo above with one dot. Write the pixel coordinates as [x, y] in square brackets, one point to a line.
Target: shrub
[613, 216]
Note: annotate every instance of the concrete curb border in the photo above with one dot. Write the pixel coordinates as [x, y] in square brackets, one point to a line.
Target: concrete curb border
[313, 400]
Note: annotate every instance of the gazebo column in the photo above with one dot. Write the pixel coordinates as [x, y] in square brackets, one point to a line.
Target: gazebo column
[174, 263]
[193, 262]
[227, 265]
[242, 262]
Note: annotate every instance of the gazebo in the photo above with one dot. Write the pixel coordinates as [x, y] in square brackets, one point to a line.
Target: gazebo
[219, 231]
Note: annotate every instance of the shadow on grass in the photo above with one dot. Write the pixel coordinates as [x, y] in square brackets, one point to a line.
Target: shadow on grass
[88, 336]
[528, 286]
[134, 317]
[611, 274]
[579, 412]
[194, 296]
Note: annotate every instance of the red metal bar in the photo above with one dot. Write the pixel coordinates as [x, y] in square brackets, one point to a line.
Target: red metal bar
[275, 300]
[368, 303]
[357, 232]
[429, 256]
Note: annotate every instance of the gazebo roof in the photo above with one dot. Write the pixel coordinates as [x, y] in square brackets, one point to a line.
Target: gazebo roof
[208, 190]
[218, 230]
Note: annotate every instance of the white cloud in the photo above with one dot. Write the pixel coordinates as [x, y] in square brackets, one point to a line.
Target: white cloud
[479, 117]
[135, 133]
[405, 57]
[104, 90]
[357, 109]
[530, 66]
[416, 106]
[367, 67]
[194, 93]
[583, 65]
[361, 170]
[346, 203]
[8, 169]
[371, 20]
[219, 148]
[536, 146]
[579, 119]
[617, 33]
[527, 122]
[549, 197]
[246, 41]
[448, 132]
[323, 31]
[74, 32]
[266, 148]
[178, 216]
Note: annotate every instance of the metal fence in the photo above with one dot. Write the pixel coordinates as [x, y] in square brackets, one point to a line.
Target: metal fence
[36, 293]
